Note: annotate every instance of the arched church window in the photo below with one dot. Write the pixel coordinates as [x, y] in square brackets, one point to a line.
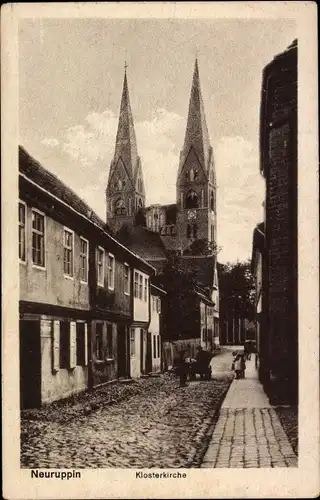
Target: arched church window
[191, 175]
[194, 231]
[192, 199]
[212, 201]
[140, 203]
[120, 184]
[120, 207]
[188, 231]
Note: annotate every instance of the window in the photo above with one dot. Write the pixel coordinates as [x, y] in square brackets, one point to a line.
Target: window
[64, 344]
[188, 231]
[140, 286]
[38, 238]
[68, 252]
[132, 342]
[158, 346]
[81, 344]
[136, 285]
[120, 207]
[100, 266]
[126, 279]
[84, 255]
[195, 230]
[22, 231]
[99, 344]
[191, 199]
[154, 346]
[109, 340]
[212, 232]
[211, 201]
[145, 290]
[110, 271]
[158, 305]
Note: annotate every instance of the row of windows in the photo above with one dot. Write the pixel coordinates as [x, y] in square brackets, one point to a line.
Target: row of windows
[156, 304]
[140, 286]
[38, 252]
[69, 345]
[102, 260]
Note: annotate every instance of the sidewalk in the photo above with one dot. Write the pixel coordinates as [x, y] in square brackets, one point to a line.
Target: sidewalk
[248, 432]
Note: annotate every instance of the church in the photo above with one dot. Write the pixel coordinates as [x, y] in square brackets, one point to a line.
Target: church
[185, 231]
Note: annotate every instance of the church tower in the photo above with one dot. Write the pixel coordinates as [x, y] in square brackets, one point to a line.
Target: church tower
[125, 191]
[196, 181]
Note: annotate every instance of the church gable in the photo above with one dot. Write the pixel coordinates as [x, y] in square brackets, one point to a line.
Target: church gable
[192, 171]
[119, 180]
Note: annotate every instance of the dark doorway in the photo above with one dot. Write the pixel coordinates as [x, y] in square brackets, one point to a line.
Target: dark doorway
[149, 354]
[30, 364]
[122, 372]
[141, 351]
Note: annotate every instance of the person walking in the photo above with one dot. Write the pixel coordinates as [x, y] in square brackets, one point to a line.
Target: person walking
[182, 368]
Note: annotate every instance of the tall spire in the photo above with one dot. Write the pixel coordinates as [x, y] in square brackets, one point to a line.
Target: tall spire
[126, 144]
[197, 131]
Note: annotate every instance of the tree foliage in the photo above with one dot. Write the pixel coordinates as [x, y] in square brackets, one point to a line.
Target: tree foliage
[202, 246]
[236, 287]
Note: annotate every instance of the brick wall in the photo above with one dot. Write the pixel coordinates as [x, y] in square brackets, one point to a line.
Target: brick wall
[280, 169]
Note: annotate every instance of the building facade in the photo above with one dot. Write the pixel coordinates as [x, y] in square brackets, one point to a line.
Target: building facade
[76, 292]
[278, 146]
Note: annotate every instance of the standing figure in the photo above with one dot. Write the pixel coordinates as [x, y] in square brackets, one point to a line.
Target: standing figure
[182, 368]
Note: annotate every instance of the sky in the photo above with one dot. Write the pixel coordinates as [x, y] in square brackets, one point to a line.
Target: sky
[70, 84]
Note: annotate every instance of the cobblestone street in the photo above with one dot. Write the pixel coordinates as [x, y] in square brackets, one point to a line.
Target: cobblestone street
[163, 426]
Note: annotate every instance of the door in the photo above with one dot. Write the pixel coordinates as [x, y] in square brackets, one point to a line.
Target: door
[141, 351]
[149, 353]
[30, 364]
[122, 360]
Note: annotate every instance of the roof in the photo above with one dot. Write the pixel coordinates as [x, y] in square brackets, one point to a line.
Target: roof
[34, 172]
[157, 290]
[203, 297]
[196, 135]
[202, 266]
[141, 240]
[126, 143]
[258, 242]
[37, 173]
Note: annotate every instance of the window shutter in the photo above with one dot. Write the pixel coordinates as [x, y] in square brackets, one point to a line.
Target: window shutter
[73, 345]
[56, 346]
[85, 344]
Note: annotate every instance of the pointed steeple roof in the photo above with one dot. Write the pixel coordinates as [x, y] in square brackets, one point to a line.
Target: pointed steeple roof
[126, 143]
[196, 135]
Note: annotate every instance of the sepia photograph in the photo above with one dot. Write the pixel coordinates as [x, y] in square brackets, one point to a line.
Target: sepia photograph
[158, 244]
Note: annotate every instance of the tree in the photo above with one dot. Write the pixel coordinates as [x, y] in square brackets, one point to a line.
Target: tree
[236, 291]
[180, 285]
[202, 246]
